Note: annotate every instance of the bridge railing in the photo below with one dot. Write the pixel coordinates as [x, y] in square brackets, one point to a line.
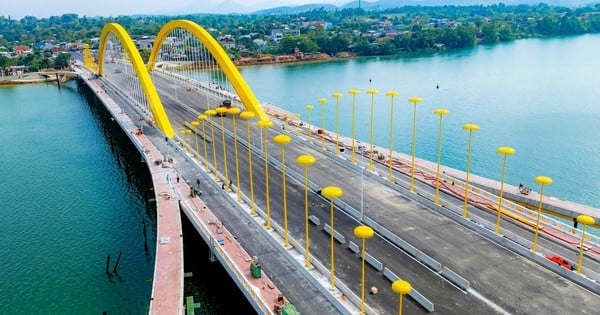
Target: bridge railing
[512, 207]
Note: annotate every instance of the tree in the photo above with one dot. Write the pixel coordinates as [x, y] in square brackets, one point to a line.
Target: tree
[5, 62]
[490, 33]
[571, 25]
[62, 60]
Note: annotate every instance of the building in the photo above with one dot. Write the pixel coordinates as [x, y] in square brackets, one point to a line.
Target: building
[22, 50]
[277, 34]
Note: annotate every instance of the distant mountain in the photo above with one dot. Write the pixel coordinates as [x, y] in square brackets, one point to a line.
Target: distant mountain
[296, 9]
[228, 7]
[386, 4]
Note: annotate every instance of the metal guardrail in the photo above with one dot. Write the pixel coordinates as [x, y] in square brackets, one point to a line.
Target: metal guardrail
[516, 209]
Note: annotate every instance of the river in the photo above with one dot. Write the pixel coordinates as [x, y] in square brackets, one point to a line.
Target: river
[74, 191]
[539, 96]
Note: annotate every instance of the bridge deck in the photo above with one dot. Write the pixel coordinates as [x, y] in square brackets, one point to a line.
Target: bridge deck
[433, 234]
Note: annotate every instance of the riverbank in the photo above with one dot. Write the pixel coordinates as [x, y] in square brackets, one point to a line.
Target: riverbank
[280, 59]
[35, 77]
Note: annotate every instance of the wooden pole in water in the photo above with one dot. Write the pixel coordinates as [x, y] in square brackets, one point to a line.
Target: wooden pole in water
[107, 264]
[117, 263]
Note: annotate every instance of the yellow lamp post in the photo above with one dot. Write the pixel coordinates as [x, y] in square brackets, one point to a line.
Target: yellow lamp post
[506, 151]
[286, 118]
[196, 124]
[182, 133]
[221, 111]
[306, 161]
[233, 112]
[585, 220]
[402, 287]
[188, 132]
[322, 101]
[391, 94]
[309, 108]
[470, 128]
[441, 112]
[372, 92]
[283, 140]
[332, 192]
[542, 180]
[203, 118]
[265, 124]
[247, 116]
[353, 92]
[363, 232]
[297, 124]
[413, 100]
[211, 113]
[337, 122]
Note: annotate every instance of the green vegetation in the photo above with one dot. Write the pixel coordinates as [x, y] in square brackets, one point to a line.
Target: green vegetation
[392, 31]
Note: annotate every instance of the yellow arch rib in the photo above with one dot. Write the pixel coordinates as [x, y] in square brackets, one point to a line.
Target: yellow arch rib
[237, 81]
[156, 107]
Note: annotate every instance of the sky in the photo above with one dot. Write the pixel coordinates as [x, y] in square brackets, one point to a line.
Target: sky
[17, 9]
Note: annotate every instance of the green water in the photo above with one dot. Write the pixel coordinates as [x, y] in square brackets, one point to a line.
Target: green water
[69, 200]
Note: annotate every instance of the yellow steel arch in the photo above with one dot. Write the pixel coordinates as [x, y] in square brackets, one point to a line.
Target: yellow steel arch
[156, 107]
[237, 81]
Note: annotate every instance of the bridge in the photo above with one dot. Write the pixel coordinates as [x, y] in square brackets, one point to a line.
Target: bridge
[234, 173]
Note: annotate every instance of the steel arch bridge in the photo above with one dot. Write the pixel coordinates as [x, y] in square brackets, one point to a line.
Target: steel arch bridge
[142, 71]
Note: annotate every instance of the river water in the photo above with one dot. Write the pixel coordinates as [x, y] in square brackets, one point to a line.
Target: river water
[71, 196]
[539, 96]
[74, 191]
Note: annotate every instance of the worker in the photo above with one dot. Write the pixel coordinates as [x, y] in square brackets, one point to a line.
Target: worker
[255, 268]
[279, 304]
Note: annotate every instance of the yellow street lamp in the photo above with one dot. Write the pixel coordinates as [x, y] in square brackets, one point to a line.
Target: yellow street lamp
[506, 151]
[306, 161]
[585, 220]
[221, 111]
[196, 124]
[441, 112]
[309, 108]
[413, 100]
[265, 124]
[283, 140]
[210, 113]
[372, 92]
[203, 118]
[322, 101]
[337, 122]
[332, 192]
[353, 93]
[182, 133]
[247, 116]
[297, 124]
[233, 111]
[391, 94]
[363, 232]
[402, 287]
[542, 180]
[470, 128]
[188, 132]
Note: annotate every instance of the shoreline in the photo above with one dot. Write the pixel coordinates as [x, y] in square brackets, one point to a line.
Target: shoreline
[33, 78]
[271, 59]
